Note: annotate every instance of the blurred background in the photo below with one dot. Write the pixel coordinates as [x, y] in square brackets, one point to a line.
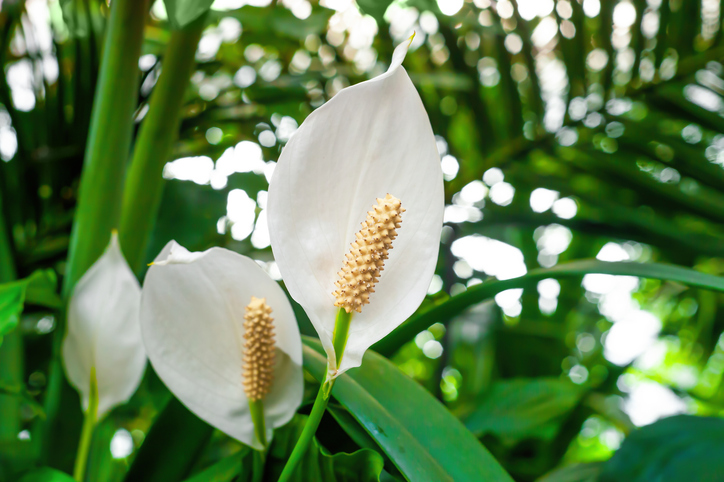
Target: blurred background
[567, 129]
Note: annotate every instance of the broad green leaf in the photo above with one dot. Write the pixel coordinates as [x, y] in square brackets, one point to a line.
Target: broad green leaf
[183, 12]
[318, 464]
[172, 446]
[671, 450]
[476, 294]
[38, 288]
[226, 469]
[524, 408]
[47, 474]
[415, 430]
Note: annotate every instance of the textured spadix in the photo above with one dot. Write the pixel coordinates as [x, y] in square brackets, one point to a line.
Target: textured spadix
[192, 316]
[104, 333]
[366, 258]
[371, 139]
[258, 349]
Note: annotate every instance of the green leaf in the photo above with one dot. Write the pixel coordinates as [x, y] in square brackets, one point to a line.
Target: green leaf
[671, 450]
[364, 465]
[226, 469]
[46, 474]
[415, 430]
[518, 409]
[455, 305]
[38, 288]
[172, 446]
[183, 12]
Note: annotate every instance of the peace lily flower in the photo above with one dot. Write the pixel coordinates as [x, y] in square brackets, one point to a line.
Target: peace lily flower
[367, 156]
[222, 336]
[102, 351]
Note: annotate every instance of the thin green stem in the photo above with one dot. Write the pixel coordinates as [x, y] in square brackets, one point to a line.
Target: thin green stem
[310, 428]
[109, 139]
[341, 333]
[11, 349]
[89, 423]
[259, 459]
[256, 409]
[144, 184]
[339, 341]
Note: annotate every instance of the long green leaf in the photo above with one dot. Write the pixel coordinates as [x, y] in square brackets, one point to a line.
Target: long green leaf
[144, 183]
[415, 430]
[457, 304]
[109, 140]
[38, 288]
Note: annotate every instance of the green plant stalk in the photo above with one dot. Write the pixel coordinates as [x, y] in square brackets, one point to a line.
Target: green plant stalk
[258, 461]
[256, 409]
[339, 341]
[86, 436]
[109, 139]
[11, 350]
[144, 184]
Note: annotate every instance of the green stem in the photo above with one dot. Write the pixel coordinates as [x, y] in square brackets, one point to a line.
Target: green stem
[89, 423]
[339, 341]
[341, 333]
[11, 349]
[259, 459]
[310, 428]
[256, 408]
[144, 183]
[109, 139]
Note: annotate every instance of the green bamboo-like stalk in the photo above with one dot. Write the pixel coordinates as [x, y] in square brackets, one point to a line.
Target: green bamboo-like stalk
[11, 350]
[109, 140]
[144, 184]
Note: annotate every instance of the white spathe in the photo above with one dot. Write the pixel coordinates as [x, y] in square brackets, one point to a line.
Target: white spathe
[371, 139]
[192, 315]
[104, 332]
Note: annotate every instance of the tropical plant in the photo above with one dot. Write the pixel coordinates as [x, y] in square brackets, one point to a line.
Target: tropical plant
[578, 289]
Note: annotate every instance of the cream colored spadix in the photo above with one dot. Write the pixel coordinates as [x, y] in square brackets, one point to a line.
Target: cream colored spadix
[258, 349]
[214, 346]
[103, 332]
[366, 258]
[369, 140]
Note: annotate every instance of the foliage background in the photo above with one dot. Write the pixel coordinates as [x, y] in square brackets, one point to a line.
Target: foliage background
[567, 130]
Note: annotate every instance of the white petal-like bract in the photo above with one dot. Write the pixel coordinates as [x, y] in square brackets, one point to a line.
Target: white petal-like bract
[104, 332]
[192, 315]
[371, 139]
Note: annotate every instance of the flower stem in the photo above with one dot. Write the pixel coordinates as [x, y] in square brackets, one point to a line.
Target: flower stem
[89, 423]
[256, 409]
[341, 333]
[310, 428]
[258, 467]
[339, 341]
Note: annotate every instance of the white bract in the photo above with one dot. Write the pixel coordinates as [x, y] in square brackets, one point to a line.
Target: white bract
[192, 316]
[371, 139]
[104, 333]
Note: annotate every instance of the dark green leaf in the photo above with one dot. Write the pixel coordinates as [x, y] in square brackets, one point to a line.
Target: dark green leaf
[671, 450]
[38, 288]
[183, 12]
[416, 431]
[364, 465]
[226, 469]
[171, 447]
[457, 304]
[524, 408]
